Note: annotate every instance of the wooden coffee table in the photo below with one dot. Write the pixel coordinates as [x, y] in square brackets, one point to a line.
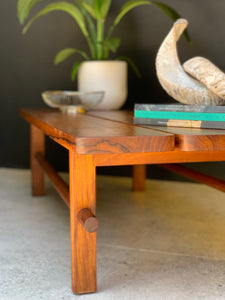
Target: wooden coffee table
[104, 138]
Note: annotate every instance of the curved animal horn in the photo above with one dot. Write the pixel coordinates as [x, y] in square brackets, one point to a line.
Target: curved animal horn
[177, 83]
[207, 73]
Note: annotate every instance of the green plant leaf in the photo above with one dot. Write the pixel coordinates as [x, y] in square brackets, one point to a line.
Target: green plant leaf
[92, 41]
[105, 8]
[66, 53]
[124, 10]
[24, 7]
[91, 2]
[131, 64]
[97, 8]
[112, 44]
[102, 8]
[93, 34]
[75, 69]
[98, 4]
[128, 6]
[134, 3]
[170, 12]
[62, 6]
[90, 7]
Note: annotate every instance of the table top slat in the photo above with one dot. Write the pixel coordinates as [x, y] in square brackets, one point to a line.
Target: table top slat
[87, 134]
[186, 139]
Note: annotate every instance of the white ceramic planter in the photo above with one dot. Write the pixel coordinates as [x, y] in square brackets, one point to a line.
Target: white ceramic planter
[107, 76]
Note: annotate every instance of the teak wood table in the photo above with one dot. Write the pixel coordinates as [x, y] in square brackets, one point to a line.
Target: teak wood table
[104, 138]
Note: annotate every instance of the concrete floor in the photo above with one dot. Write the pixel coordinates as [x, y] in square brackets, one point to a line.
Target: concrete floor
[165, 243]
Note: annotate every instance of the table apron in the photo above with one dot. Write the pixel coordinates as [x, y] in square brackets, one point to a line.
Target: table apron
[175, 156]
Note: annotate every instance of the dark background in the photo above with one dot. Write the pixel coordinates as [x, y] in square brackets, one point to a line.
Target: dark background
[26, 64]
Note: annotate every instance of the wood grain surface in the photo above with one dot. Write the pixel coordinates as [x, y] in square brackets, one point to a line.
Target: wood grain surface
[37, 145]
[175, 156]
[83, 243]
[86, 134]
[186, 139]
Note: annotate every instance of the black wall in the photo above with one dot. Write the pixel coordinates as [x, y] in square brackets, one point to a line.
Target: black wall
[26, 64]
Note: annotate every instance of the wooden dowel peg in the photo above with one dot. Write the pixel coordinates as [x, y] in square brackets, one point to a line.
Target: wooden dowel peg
[88, 220]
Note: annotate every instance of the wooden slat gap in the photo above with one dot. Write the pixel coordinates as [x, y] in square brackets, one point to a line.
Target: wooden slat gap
[132, 124]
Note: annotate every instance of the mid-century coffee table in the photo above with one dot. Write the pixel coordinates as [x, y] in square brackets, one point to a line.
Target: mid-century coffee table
[109, 138]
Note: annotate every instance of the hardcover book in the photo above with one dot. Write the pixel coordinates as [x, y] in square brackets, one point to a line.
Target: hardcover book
[180, 123]
[179, 108]
[180, 115]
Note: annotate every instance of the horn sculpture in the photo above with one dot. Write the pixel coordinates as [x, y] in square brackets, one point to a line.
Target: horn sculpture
[176, 82]
[206, 72]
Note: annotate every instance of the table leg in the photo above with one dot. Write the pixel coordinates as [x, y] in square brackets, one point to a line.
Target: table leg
[37, 144]
[139, 176]
[83, 243]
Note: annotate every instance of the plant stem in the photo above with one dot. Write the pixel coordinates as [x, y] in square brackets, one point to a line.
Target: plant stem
[92, 41]
[110, 31]
[100, 37]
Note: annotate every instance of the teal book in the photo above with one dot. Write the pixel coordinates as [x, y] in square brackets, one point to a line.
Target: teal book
[180, 123]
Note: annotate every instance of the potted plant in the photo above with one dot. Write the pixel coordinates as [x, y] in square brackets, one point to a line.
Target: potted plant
[95, 71]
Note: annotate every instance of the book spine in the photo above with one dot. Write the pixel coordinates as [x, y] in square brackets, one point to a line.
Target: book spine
[180, 123]
[194, 116]
[179, 108]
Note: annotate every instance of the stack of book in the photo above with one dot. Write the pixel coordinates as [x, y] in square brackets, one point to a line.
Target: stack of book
[180, 115]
